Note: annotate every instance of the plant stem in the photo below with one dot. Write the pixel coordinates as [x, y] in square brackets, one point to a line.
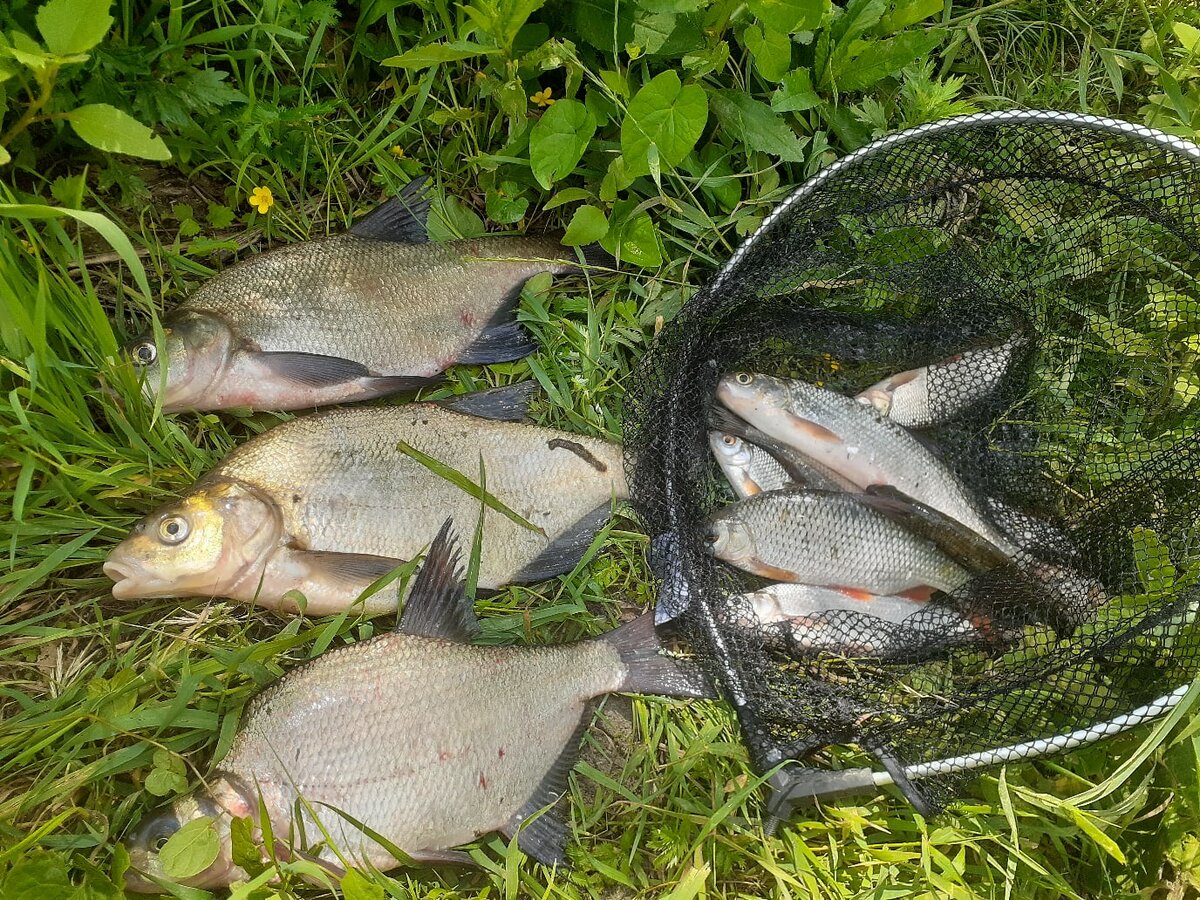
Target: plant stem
[46, 82]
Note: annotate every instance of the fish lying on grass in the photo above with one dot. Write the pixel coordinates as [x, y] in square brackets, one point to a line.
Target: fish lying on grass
[420, 736]
[328, 503]
[373, 311]
[936, 393]
[855, 441]
[816, 619]
[828, 538]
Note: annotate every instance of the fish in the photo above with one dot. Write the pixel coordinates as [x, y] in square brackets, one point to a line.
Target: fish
[418, 736]
[375, 310]
[313, 505]
[753, 461]
[845, 622]
[857, 442]
[828, 538]
[936, 393]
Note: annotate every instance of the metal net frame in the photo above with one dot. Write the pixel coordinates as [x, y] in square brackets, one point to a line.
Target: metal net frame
[1080, 233]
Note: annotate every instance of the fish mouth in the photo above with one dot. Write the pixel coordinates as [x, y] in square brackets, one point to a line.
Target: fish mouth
[131, 582]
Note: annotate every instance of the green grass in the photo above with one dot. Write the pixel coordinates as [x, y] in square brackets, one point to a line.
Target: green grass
[91, 690]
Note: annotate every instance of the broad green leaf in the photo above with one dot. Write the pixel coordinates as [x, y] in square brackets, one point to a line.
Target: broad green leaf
[107, 128]
[108, 229]
[908, 12]
[504, 205]
[856, 18]
[879, 59]
[651, 30]
[451, 220]
[632, 237]
[670, 6]
[190, 850]
[664, 114]
[567, 195]
[36, 877]
[5, 156]
[355, 886]
[502, 19]
[795, 93]
[756, 125]
[772, 51]
[74, 26]
[558, 140]
[431, 54]
[1189, 36]
[587, 226]
[787, 16]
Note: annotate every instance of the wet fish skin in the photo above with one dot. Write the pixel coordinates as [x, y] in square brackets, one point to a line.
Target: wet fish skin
[347, 317]
[855, 441]
[313, 505]
[827, 538]
[936, 393]
[748, 468]
[424, 739]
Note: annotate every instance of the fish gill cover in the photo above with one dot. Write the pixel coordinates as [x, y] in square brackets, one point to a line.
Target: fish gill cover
[1081, 238]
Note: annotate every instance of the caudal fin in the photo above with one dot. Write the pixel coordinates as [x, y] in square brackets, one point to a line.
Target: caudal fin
[648, 669]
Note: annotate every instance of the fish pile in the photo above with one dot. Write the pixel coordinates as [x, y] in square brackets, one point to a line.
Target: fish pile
[864, 531]
[418, 739]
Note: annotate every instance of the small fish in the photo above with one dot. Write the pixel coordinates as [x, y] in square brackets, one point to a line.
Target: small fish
[328, 503]
[753, 461]
[816, 618]
[828, 538]
[855, 441]
[936, 393]
[424, 738]
[373, 311]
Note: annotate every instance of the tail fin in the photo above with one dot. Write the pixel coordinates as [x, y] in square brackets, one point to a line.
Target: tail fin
[595, 255]
[648, 670]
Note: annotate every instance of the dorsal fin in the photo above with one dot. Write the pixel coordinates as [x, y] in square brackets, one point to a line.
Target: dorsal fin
[437, 605]
[400, 220]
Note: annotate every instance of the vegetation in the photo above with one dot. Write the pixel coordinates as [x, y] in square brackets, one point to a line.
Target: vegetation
[144, 145]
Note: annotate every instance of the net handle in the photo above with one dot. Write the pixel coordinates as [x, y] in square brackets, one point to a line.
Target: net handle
[957, 123]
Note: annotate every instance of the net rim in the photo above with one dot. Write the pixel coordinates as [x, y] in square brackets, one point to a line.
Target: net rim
[1082, 121]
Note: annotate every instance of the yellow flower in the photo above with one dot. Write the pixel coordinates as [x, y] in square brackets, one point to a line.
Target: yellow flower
[262, 199]
[396, 150]
[541, 98]
[833, 364]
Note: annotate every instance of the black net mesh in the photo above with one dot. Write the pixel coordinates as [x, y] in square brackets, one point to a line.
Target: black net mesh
[1079, 241]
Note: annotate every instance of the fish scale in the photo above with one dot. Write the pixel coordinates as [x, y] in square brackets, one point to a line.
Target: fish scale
[329, 732]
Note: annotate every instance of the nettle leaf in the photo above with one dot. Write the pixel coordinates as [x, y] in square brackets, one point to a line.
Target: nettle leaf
[74, 26]
[559, 139]
[795, 93]
[772, 51]
[790, 15]
[431, 54]
[587, 226]
[879, 59]
[666, 115]
[756, 125]
[190, 850]
[108, 128]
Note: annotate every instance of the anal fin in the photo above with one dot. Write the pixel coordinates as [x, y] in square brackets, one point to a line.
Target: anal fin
[566, 549]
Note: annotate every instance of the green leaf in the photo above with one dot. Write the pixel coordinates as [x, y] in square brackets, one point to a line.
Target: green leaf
[567, 195]
[190, 850]
[502, 19]
[587, 226]
[632, 236]
[795, 93]
[772, 51]
[908, 12]
[1189, 36]
[355, 886]
[790, 15]
[754, 124]
[74, 26]
[36, 877]
[451, 220]
[666, 115]
[504, 205]
[879, 59]
[107, 128]
[558, 140]
[431, 54]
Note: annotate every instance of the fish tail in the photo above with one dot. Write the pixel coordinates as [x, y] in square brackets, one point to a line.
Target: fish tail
[647, 669]
[595, 255]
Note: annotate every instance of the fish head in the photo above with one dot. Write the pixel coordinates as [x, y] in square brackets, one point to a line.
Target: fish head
[197, 349]
[147, 840]
[878, 398]
[730, 539]
[212, 542]
[730, 449]
[747, 393]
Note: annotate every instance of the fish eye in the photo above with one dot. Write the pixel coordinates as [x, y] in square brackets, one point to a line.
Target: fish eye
[729, 440]
[743, 378]
[173, 529]
[144, 353]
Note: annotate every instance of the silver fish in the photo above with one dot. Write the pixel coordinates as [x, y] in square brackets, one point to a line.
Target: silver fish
[855, 441]
[936, 393]
[328, 503]
[749, 468]
[422, 737]
[812, 617]
[828, 538]
[376, 310]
